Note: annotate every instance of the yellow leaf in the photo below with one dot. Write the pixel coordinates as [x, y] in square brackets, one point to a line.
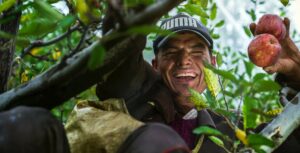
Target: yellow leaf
[241, 135]
[82, 9]
[35, 51]
[211, 80]
[274, 112]
[24, 77]
[198, 100]
[56, 55]
[26, 17]
[5, 5]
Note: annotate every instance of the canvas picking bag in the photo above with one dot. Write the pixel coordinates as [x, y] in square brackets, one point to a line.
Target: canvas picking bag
[99, 127]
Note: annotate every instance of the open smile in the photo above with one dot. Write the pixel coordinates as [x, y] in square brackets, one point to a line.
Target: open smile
[184, 77]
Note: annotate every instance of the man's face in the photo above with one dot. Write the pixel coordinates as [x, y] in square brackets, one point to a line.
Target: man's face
[181, 61]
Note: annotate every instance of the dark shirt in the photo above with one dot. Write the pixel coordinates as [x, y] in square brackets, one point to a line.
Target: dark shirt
[185, 129]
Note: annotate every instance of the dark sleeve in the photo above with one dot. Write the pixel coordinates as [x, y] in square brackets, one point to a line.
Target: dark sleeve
[283, 81]
[129, 80]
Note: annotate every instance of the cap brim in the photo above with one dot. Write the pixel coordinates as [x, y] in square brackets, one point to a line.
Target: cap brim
[164, 40]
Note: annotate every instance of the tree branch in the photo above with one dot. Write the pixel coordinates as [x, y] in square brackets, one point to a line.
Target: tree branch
[284, 124]
[152, 13]
[72, 76]
[60, 83]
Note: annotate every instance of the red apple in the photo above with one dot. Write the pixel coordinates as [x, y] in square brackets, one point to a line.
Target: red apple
[264, 50]
[271, 24]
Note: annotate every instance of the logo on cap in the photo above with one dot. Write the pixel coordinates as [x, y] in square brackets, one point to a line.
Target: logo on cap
[179, 22]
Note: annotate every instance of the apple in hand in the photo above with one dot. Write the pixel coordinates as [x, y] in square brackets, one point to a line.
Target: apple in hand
[264, 50]
[271, 24]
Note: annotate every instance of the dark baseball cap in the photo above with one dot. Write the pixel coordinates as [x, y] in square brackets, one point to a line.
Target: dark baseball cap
[182, 22]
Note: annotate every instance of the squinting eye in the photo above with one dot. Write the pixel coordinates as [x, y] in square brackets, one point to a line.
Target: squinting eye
[197, 52]
[170, 52]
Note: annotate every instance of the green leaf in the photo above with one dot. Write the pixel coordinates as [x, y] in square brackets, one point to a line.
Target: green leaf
[219, 59]
[249, 116]
[259, 76]
[67, 21]
[259, 140]
[204, 3]
[223, 73]
[204, 21]
[216, 140]
[220, 24]
[7, 4]
[96, 57]
[213, 14]
[249, 67]
[226, 113]
[133, 3]
[247, 31]
[22, 42]
[52, 1]
[252, 14]
[47, 10]
[284, 2]
[196, 9]
[211, 100]
[258, 149]
[215, 36]
[207, 131]
[38, 27]
[266, 85]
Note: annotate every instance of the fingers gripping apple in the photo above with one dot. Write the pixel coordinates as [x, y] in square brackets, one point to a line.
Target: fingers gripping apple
[271, 24]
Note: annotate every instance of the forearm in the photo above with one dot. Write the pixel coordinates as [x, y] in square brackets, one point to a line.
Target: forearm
[291, 78]
[127, 77]
[292, 51]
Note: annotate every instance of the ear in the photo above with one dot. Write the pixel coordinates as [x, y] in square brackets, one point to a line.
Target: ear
[213, 60]
[154, 63]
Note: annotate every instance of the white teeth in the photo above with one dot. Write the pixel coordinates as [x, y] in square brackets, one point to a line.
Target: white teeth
[185, 75]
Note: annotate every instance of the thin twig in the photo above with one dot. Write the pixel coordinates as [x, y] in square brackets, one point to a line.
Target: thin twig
[223, 91]
[82, 39]
[239, 110]
[43, 57]
[40, 43]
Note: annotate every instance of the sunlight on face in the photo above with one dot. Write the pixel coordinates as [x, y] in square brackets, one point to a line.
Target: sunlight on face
[181, 61]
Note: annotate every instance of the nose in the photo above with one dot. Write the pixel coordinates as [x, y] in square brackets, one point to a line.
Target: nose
[184, 59]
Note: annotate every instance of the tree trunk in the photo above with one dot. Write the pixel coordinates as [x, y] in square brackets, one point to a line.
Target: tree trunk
[7, 46]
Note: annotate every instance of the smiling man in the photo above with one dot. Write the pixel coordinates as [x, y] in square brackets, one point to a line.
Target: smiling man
[159, 93]
[179, 61]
